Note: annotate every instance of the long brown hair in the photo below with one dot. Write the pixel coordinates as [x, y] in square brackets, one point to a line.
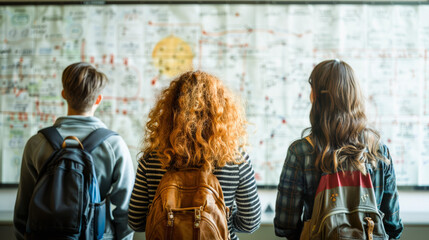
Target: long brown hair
[196, 122]
[339, 130]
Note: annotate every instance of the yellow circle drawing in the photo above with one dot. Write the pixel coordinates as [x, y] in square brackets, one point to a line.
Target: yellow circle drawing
[172, 56]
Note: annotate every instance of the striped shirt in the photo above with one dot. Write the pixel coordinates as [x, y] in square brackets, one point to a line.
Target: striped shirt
[238, 186]
[299, 181]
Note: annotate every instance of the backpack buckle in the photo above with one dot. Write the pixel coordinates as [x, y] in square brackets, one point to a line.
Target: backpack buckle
[170, 219]
[197, 217]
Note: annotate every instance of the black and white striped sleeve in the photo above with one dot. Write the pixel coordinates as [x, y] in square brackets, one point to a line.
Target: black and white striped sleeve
[247, 218]
[139, 202]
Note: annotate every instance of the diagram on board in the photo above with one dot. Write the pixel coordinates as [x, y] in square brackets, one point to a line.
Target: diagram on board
[264, 53]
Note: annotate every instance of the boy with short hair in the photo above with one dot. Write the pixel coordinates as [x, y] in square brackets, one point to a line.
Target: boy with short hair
[82, 85]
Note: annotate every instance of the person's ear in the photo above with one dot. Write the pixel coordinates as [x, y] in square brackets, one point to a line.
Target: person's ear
[99, 98]
[311, 96]
[63, 94]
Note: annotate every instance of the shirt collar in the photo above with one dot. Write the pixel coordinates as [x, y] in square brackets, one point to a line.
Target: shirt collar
[76, 119]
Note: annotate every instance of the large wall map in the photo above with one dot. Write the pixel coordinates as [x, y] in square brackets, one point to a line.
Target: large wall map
[264, 53]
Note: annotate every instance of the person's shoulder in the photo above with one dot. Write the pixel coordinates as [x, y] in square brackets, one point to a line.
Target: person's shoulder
[242, 161]
[301, 147]
[115, 140]
[384, 151]
[152, 158]
[115, 146]
[36, 137]
[35, 141]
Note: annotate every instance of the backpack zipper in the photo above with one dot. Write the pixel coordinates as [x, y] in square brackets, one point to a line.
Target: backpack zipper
[157, 196]
[371, 210]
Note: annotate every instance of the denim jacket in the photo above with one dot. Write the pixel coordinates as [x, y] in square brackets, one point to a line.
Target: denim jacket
[298, 184]
[113, 166]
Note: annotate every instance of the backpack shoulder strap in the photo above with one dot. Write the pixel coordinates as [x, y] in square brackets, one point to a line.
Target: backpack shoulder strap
[96, 137]
[53, 136]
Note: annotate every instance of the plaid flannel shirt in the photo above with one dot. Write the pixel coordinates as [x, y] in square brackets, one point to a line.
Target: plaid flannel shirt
[299, 181]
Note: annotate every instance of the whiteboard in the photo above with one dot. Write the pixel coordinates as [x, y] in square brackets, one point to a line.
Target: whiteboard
[264, 53]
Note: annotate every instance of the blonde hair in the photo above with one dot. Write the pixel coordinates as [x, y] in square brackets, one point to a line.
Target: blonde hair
[196, 122]
[82, 84]
[339, 129]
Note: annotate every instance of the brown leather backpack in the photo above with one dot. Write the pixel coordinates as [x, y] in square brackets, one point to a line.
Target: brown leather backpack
[188, 204]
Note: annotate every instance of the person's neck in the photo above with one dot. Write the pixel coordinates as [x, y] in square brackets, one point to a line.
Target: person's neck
[72, 112]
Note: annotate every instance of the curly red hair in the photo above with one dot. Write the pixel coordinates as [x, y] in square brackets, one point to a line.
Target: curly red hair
[196, 122]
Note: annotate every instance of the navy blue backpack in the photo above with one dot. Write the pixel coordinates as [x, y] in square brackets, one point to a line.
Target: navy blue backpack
[66, 202]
